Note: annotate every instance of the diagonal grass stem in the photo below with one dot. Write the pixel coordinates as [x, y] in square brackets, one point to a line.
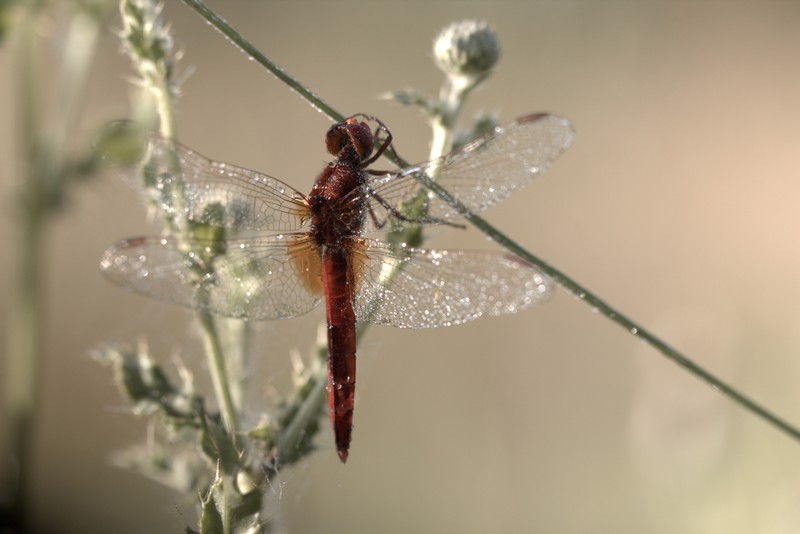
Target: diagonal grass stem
[506, 242]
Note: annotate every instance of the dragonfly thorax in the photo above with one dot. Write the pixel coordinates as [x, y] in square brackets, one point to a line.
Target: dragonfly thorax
[337, 206]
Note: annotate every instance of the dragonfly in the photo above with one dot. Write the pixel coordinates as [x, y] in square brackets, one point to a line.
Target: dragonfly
[253, 247]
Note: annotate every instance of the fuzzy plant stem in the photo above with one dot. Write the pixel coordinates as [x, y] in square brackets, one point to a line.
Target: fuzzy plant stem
[157, 73]
[215, 352]
[506, 242]
[149, 44]
[451, 99]
[219, 372]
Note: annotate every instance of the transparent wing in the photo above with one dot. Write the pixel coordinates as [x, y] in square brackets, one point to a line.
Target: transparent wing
[179, 180]
[424, 288]
[271, 277]
[484, 171]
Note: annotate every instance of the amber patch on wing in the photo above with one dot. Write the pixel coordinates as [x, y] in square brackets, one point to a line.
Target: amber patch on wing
[307, 263]
[301, 210]
[358, 257]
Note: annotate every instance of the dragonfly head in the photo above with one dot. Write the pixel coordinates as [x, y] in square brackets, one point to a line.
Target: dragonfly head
[353, 134]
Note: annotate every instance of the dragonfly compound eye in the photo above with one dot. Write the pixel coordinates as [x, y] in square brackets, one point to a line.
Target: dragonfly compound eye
[350, 133]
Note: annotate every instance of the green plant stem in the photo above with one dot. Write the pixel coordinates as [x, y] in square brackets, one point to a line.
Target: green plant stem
[163, 97]
[219, 372]
[506, 242]
[451, 100]
[24, 353]
[215, 352]
[24, 360]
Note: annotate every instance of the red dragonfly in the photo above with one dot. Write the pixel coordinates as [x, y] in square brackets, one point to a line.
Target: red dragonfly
[256, 248]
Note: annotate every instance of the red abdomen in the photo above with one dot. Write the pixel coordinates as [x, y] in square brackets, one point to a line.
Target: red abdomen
[338, 280]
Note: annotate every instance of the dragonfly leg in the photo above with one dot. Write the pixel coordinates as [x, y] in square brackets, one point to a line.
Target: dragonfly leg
[385, 143]
[394, 212]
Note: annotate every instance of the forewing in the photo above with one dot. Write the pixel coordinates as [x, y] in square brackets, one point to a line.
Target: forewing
[179, 181]
[426, 288]
[273, 277]
[484, 171]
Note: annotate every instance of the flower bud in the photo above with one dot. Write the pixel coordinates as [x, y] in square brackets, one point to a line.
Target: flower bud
[467, 48]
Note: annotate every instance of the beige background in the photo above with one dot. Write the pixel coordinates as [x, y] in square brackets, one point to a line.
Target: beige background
[677, 204]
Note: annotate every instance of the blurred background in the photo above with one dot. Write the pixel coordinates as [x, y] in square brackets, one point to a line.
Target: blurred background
[677, 204]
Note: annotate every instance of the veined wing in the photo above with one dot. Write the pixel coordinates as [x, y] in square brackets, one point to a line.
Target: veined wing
[484, 171]
[426, 288]
[181, 181]
[273, 277]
